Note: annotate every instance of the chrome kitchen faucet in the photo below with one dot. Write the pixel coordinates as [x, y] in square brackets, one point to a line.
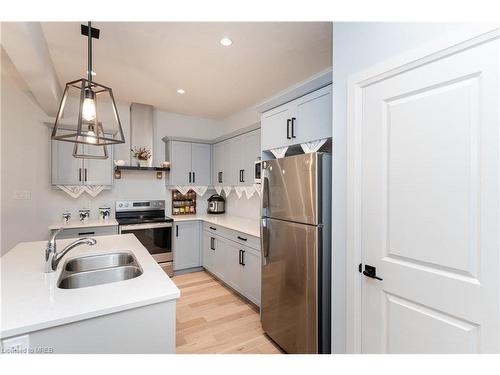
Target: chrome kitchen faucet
[52, 257]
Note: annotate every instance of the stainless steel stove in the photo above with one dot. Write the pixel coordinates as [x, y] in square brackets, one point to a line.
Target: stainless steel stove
[147, 221]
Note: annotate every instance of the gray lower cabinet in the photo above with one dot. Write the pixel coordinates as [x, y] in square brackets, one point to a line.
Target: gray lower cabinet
[89, 232]
[187, 241]
[68, 170]
[236, 264]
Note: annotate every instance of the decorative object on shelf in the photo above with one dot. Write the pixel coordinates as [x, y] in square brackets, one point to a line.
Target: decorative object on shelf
[84, 215]
[165, 164]
[183, 203]
[119, 163]
[142, 154]
[104, 213]
[183, 189]
[218, 189]
[313, 146]
[66, 216]
[227, 190]
[89, 126]
[76, 190]
[200, 190]
[159, 171]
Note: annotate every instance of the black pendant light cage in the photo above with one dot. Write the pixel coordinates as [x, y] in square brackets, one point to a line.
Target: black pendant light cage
[91, 118]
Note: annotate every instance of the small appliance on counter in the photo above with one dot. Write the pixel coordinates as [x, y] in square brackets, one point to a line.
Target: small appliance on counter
[183, 204]
[216, 204]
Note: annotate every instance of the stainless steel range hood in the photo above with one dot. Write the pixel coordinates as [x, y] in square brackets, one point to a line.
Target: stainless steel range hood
[141, 128]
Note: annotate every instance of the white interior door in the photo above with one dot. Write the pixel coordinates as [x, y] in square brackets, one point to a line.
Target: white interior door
[430, 205]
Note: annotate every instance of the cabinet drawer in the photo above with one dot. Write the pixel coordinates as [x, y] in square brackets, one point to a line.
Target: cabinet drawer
[89, 232]
[233, 235]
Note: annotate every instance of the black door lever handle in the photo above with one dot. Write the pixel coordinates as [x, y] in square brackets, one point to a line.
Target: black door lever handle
[371, 271]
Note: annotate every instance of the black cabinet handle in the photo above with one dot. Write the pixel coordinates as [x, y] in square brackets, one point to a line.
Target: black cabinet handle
[242, 175]
[85, 174]
[220, 177]
[288, 129]
[239, 257]
[189, 177]
[241, 238]
[213, 228]
[79, 174]
[176, 231]
[86, 233]
[212, 243]
[194, 177]
[293, 127]
[242, 257]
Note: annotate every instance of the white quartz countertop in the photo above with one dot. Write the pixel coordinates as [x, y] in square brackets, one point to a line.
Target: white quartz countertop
[78, 224]
[31, 300]
[240, 224]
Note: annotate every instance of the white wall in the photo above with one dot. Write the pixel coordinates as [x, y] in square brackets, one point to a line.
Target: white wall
[241, 119]
[25, 163]
[357, 46]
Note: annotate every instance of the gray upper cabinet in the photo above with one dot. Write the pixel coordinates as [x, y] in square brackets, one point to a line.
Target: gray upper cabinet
[201, 163]
[68, 170]
[234, 159]
[191, 163]
[179, 155]
[222, 164]
[304, 119]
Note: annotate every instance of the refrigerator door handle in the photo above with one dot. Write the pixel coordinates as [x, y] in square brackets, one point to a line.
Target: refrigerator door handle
[264, 235]
[265, 193]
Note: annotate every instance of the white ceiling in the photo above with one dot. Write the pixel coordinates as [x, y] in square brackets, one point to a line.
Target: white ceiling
[148, 62]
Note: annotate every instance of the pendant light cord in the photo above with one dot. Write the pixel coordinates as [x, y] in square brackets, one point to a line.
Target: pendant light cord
[90, 53]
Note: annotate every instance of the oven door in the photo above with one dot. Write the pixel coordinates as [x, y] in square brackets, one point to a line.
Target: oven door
[156, 238]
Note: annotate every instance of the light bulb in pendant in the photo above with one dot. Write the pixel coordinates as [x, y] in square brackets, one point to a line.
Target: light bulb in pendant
[91, 136]
[88, 108]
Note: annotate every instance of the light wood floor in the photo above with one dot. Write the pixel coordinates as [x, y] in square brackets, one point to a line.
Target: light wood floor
[213, 319]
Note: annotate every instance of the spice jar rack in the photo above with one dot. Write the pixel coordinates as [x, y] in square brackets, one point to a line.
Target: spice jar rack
[183, 204]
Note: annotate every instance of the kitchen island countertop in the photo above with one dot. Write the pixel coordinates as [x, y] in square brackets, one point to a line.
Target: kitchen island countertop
[32, 301]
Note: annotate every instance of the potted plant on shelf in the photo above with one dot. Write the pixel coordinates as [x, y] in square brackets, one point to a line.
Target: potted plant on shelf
[142, 154]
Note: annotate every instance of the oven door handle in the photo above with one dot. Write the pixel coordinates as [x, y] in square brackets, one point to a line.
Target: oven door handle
[144, 226]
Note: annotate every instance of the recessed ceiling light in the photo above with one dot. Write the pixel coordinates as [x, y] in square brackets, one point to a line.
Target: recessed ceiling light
[226, 42]
[181, 91]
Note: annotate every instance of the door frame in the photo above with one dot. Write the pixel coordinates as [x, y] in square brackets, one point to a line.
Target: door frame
[412, 59]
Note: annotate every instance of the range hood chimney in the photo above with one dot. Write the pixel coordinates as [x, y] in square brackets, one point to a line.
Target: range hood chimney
[141, 128]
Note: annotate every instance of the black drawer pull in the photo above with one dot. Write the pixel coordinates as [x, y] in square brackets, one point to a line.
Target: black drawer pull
[213, 228]
[176, 231]
[241, 238]
[86, 233]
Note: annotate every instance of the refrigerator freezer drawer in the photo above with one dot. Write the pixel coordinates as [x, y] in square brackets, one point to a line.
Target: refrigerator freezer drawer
[289, 301]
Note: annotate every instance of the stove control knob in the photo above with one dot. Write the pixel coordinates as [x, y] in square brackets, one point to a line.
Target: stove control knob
[120, 205]
[126, 204]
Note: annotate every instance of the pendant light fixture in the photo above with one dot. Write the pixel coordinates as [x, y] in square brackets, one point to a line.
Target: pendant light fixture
[91, 119]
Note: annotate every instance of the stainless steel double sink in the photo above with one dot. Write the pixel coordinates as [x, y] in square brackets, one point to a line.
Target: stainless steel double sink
[99, 269]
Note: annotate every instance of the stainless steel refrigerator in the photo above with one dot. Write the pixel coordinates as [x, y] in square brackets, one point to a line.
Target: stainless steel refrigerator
[296, 252]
